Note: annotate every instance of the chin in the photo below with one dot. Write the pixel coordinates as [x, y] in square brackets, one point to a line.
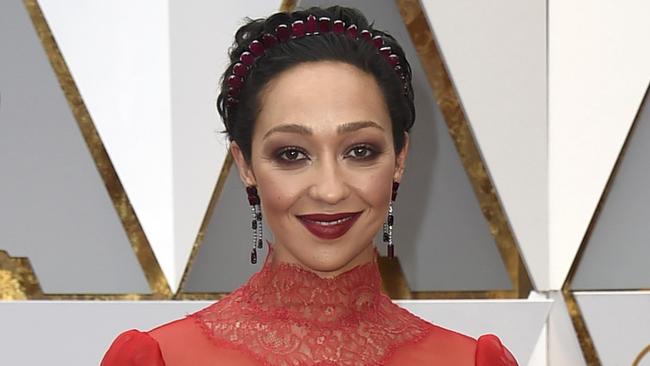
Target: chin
[326, 265]
[331, 259]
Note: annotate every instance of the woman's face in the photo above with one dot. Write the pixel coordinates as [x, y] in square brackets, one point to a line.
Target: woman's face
[323, 145]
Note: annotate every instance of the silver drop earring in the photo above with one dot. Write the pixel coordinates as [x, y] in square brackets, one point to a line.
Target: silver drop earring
[256, 221]
[388, 225]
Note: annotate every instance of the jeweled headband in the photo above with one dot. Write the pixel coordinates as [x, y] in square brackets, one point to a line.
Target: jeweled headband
[298, 29]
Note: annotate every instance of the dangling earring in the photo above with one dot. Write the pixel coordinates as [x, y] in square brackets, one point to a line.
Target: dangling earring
[388, 225]
[256, 223]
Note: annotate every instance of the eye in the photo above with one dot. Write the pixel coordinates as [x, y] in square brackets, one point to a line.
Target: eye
[361, 152]
[291, 154]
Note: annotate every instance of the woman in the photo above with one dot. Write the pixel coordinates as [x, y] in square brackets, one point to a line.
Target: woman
[317, 105]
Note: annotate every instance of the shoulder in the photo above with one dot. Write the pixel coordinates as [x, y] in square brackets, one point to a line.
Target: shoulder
[448, 347]
[157, 347]
[179, 342]
[133, 348]
[177, 337]
[188, 341]
[439, 346]
[490, 351]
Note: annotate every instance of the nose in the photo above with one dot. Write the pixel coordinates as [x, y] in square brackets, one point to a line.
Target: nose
[330, 184]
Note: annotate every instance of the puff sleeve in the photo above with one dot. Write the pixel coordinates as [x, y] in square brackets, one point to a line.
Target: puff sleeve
[490, 352]
[133, 348]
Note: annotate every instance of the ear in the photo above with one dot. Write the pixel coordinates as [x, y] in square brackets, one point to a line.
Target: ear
[245, 170]
[400, 159]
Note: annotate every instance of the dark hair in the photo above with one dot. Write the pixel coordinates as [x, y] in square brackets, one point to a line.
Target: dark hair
[240, 119]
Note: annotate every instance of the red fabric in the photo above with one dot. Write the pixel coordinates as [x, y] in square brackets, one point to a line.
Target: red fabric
[490, 351]
[133, 348]
[285, 315]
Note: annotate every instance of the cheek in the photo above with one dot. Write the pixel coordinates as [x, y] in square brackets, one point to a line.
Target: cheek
[277, 193]
[375, 188]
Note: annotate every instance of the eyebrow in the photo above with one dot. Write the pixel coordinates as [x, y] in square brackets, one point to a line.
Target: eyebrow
[304, 130]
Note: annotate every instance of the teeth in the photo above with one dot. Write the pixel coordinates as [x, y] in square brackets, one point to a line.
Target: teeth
[330, 223]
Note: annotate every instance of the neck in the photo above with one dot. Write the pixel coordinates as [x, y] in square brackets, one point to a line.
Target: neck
[279, 254]
[288, 290]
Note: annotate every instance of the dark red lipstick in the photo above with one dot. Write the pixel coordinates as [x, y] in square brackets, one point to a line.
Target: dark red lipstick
[329, 226]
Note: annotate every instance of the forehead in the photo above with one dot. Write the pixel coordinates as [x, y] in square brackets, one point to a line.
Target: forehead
[321, 95]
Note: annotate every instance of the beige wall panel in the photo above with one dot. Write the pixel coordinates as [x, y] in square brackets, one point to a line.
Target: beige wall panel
[619, 324]
[599, 69]
[118, 55]
[55, 207]
[563, 346]
[496, 54]
[91, 326]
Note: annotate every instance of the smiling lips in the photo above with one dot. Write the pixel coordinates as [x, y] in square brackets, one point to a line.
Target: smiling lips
[329, 226]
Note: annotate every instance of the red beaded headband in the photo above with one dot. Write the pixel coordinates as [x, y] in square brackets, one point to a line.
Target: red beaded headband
[298, 29]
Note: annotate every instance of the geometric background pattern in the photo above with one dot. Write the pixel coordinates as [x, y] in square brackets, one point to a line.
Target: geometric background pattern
[631, 321]
[532, 116]
[619, 239]
[496, 55]
[55, 207]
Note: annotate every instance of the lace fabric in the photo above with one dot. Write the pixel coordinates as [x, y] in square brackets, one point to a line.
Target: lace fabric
[285, 315]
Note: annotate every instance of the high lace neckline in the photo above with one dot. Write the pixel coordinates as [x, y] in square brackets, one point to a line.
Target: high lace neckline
[288, 315]
[289, 291]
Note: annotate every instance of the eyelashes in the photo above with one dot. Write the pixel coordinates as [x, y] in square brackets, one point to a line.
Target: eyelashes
[293, 155]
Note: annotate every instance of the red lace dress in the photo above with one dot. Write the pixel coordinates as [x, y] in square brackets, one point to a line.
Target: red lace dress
[288, 316]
